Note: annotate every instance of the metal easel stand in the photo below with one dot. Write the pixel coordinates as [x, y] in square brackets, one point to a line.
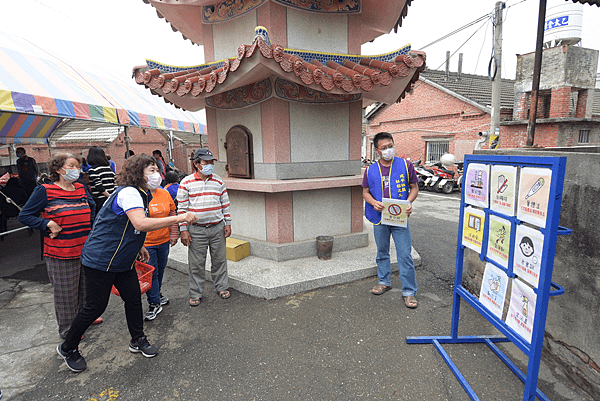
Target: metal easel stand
[532, 350]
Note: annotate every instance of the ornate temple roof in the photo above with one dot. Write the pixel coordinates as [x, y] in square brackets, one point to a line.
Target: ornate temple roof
[377, 17]
[262, 67]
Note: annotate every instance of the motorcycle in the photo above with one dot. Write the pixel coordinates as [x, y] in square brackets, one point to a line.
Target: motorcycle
[425, 175]
[446, 182]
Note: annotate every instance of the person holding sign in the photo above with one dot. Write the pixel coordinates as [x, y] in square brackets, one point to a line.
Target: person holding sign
[395, 178]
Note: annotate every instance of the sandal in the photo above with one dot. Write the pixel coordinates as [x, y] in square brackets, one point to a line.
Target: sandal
[98, 321]
[224, 294]
[380, 289]
[195, 301]
[410, 301]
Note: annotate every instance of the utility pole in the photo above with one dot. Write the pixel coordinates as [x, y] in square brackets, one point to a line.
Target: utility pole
[537, 69]
[494, 135]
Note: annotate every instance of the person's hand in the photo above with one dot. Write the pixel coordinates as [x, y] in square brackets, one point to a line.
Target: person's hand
[173, 241]
[186, 238]
[189, 218]
[408, 209]
[227, 231]
[54, 228]
[378, 206]
[144, 256]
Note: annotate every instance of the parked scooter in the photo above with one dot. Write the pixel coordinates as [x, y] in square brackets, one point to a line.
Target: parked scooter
[425, 175]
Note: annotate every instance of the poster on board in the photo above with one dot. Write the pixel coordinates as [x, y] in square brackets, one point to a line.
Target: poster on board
[472, 235]
[499, 240]
[521, 309]
[394, 212]
[528, 254]
[476, 184]
[493, 289]
[534, 193]
[503, 185]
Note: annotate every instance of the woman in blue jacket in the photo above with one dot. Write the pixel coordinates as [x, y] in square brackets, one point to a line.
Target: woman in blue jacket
[109, 254]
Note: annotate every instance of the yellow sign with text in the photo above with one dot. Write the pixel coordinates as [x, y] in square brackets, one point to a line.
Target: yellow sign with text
[394, 212]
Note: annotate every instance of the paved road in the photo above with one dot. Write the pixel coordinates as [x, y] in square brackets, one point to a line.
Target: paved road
[335, 343]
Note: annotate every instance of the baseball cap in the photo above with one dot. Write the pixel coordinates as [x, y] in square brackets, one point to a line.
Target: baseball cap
[204, 154]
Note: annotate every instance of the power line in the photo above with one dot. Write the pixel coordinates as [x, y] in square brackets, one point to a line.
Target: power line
[458, 30]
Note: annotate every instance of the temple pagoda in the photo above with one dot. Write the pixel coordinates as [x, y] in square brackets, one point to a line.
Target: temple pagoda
[283, 86]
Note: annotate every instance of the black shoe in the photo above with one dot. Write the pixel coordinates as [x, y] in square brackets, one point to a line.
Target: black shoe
[142, 345]
[154, 310]
[72, 358]
[163, 300]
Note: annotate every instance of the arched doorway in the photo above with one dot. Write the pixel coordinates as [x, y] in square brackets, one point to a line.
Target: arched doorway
[240, 156]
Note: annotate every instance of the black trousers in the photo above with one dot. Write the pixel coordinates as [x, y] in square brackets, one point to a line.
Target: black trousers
[97, 289]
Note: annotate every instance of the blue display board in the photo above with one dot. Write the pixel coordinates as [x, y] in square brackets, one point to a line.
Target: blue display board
[509, 214]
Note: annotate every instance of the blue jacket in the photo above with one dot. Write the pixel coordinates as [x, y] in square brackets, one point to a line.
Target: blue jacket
[399, 184]
[113, 244]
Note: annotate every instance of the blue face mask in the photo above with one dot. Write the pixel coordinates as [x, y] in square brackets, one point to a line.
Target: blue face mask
[207, 169]
[19, 155]
[71, 175]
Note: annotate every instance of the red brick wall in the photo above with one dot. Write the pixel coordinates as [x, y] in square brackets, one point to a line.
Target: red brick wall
[561, 102]
[430, 114]
[141, 142]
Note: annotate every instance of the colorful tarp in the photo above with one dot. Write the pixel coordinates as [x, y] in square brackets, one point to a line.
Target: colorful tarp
[32, 81]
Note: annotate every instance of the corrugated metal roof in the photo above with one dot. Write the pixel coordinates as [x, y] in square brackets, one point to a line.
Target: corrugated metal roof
[477, 88]
[86, 131]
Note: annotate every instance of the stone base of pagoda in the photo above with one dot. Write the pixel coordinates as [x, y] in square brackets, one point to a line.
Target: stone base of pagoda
[282, 218]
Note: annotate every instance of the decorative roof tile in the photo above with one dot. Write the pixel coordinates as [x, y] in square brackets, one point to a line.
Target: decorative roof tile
[327, 72]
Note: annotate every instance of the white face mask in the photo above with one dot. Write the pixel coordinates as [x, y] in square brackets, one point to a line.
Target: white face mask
[153, 180]
[72, 174]
[388, 154]
[208, 169]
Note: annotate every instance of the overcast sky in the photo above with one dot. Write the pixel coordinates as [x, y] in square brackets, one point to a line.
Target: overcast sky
[116, 35]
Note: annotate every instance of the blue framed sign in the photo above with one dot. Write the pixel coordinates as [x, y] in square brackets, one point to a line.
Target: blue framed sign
[510, 209]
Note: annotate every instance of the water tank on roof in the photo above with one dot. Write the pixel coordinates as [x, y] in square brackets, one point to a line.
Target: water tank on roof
[563, 23]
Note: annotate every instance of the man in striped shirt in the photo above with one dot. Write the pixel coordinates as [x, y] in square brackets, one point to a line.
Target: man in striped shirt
[204, 193]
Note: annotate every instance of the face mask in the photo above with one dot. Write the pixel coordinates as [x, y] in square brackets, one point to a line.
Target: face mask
[71, 175]
[388, 154]
[208, 169]
[19, 155]
[153, 180]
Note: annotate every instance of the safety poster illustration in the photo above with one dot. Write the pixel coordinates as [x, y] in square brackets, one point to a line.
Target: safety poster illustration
[499, 240]
[394, 212]
[503, 184]
[521, 310]
[473, 226]
[528, 254]
[534, 191]
[476, 184]
[493, 289]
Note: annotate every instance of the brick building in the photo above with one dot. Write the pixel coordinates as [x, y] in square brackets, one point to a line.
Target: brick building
[446, 111]
[77, 136]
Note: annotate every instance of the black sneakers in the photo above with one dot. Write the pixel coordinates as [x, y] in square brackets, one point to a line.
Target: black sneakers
[163, 300]
[142, 345]
[154, 310]
[72, 358]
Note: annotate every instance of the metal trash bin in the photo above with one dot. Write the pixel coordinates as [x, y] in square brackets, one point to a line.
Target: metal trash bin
[324, 247]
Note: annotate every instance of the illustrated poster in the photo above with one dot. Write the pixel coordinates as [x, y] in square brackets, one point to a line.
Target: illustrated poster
[394, 212]
[493, 289]
[534, 193]
[499, 240]
[528, 254]
[476, 184]
[474, 221]
[521, 310]
[503, 185]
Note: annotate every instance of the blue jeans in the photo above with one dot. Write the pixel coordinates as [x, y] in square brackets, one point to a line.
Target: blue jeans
[159, 255]
[406, 265]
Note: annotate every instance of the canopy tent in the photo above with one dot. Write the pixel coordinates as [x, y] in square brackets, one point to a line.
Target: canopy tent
[38, 90]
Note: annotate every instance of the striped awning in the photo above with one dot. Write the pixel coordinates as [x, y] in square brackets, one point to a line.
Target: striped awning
[37, 87]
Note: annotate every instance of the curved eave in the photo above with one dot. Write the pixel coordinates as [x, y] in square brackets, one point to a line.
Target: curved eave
[377, 17]
[375, 80]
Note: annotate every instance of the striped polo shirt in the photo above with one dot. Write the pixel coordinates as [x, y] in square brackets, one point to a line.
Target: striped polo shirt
[102, 178]
[207, 198]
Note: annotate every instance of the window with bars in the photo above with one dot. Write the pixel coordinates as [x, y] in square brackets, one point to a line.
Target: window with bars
[584, 136]
[435, 150]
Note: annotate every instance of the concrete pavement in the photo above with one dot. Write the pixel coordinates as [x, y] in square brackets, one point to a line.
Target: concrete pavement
[329, 340]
